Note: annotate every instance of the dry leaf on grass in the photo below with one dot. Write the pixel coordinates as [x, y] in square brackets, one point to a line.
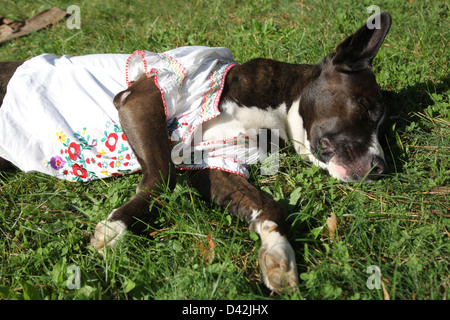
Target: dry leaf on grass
[331, 229]
[207, 250]
[10, 29]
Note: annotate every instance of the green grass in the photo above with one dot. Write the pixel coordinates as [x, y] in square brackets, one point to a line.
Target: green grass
[195, 250]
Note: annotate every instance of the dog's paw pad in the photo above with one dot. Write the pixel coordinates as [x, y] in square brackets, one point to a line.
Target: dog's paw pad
[278, 268]
[107, 233]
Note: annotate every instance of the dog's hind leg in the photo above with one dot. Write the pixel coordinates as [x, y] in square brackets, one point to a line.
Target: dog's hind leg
[234, 192]
[142, 116]
[7, 70]
[5, 165]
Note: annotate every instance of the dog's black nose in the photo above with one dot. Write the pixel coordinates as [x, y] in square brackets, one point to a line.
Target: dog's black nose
[379, 167]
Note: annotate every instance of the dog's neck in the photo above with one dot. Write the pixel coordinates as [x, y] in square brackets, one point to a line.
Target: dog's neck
[266, 94]
[265, 83]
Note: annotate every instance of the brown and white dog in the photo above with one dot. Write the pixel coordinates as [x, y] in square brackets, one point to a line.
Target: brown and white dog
[331, 112]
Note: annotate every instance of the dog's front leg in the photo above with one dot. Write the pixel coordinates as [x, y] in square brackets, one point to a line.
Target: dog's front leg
[276, 257]
[141, 113]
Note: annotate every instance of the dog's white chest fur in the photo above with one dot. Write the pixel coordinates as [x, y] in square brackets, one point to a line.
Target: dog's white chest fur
[235, 119]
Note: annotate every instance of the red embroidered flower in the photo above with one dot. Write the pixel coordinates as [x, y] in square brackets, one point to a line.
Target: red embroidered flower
[111, 141]
[74, 151]
[79, 171]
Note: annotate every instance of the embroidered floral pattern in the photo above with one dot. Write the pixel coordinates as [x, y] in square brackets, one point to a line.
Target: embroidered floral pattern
[87, 156]
[212, 96]
[176, 67]
[173, 125]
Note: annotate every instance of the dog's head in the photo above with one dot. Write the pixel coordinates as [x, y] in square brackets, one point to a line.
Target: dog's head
[342, 109]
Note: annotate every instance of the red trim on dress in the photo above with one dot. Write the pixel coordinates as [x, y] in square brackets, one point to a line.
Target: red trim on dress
[216, 100]
[213, 167]
[141, 53]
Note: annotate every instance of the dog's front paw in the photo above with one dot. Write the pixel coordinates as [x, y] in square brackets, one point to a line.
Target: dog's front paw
[107, 233]
[277, 261]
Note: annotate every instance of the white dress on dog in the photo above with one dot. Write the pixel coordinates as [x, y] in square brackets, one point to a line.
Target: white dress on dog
[58, 117]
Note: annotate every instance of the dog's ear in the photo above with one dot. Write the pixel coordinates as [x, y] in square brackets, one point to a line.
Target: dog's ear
[359, 49]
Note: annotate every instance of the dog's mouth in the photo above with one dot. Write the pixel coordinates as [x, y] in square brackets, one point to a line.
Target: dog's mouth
[369, 168]
[342, 172]
[347, 165]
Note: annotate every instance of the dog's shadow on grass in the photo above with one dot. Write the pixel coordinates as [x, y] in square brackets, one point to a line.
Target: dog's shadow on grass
[403, 107]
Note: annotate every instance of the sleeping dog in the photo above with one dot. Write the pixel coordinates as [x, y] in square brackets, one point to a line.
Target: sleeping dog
[196, 109]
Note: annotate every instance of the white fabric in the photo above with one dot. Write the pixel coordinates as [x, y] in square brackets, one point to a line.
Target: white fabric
[58, 118]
